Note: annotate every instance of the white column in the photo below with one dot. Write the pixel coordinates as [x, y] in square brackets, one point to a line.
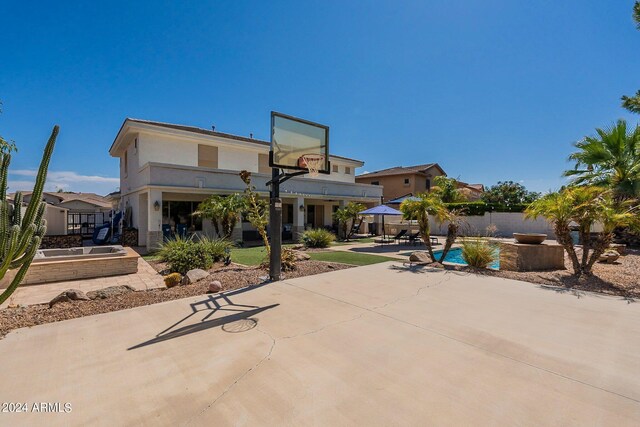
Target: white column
[298, 217]
[154, 219]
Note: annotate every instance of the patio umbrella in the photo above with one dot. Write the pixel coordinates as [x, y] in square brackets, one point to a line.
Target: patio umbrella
[381, 210]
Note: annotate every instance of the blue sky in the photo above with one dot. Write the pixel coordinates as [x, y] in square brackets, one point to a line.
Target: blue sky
[490, 89]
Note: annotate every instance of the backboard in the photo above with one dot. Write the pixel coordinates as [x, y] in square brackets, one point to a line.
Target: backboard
[295, 141]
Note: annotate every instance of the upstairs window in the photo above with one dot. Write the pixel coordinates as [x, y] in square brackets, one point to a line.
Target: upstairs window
[347, 170]
[406, 181]
[207, 156]
[428, 184]
[263, 163]
[375, 182]
[126, 163]
[335, 168]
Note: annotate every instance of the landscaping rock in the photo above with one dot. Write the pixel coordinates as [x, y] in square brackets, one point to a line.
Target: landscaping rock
[420, 258]
[69, 295]
[110, 291]
[194, 275]
[301, 256]
[610, 256]
[215, 287]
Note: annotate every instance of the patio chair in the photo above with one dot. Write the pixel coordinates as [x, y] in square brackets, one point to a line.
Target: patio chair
[434, 240]
[413, 238]
[400, 235]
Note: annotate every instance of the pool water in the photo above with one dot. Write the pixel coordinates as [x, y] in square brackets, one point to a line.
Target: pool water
[454, 256]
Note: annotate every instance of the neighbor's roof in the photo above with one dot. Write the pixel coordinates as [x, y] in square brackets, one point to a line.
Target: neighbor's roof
[209, 132]
[400, 170]
[64, 197]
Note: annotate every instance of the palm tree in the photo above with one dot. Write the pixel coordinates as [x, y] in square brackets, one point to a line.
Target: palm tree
[419, 209]
[585, 206]
[609, 159]
[632, 103]
[223, 211]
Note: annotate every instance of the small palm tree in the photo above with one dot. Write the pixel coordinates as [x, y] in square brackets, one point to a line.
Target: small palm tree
[223, 211]
[419, 209]
[585, 206]
[610, 159]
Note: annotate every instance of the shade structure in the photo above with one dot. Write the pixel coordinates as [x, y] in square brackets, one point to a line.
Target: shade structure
[381, 210]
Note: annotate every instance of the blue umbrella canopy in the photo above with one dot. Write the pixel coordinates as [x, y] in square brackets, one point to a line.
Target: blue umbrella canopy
[381, 210]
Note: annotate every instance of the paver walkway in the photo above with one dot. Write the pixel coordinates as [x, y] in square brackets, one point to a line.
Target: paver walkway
[375, 345]
[145, 278]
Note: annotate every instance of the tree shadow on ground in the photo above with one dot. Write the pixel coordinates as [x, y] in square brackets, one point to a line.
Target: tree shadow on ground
[213, 304]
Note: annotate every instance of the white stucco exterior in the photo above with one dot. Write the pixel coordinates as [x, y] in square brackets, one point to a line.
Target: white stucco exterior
[160, 172]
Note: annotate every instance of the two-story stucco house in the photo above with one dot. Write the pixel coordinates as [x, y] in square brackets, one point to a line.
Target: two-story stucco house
[167, 169]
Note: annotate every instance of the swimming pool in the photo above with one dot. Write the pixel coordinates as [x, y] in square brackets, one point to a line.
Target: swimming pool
[454, 256]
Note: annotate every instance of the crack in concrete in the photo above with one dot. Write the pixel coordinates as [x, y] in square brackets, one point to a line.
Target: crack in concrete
[315, 331]
[444, 279]
[240, 378]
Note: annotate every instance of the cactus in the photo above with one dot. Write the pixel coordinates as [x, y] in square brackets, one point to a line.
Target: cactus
[20, 235]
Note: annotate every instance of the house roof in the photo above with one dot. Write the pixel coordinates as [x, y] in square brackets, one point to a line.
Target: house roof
[400, 170]
[202, 131]
[64, 197]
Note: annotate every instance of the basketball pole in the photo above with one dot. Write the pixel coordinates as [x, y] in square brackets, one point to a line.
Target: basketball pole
[275, 226]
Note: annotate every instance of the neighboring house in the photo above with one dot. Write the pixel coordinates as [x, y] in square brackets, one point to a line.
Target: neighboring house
[83, 210]
[166, 170]
[402, 181]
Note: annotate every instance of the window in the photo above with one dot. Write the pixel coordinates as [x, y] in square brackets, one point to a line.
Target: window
[406, 181]
[428, 184]
[336, 168]
[375, 182]
[207, 156]
[126, 163]
[175, 213]
[347, 170]
[263, 163]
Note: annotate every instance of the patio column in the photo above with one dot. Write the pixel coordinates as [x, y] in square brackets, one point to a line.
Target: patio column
[154, 221]
[298, 218]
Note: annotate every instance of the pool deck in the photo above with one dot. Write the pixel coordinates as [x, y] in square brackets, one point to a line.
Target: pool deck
[393, 250]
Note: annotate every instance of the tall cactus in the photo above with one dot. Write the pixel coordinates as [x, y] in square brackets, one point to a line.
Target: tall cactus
[20, 236]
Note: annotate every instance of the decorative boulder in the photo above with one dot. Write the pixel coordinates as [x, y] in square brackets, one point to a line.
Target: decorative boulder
[194, 275]
[215, 287]
[420, 258]
[110, 291]
[610, 256]
[69, 295]
[301, 256]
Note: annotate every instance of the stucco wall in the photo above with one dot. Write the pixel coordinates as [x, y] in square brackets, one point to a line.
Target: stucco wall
[506, 223]
[161, 149]
[56, 220]
[235, 159]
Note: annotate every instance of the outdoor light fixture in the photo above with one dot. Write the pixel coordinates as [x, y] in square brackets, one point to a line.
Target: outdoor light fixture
[156, 206]
[301, 208]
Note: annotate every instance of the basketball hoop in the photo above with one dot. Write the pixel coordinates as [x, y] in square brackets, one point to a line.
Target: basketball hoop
[312, 162]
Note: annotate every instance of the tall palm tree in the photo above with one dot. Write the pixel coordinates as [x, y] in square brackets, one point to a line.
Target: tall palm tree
[611, 158]
[419, 209]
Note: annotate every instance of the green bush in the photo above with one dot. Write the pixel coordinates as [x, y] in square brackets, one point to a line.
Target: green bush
[182, 255]
[478, 252]
[317, 238]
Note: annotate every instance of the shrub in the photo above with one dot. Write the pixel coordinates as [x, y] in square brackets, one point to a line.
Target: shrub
[182, 255]
[217, 248]
[172, 279]
[317, 238]
[478, 252]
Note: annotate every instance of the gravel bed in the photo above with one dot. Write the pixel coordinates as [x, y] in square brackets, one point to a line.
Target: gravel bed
[231, 277]
[620, 278]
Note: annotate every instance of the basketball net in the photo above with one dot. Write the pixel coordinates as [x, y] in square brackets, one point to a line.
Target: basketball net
[313, 162]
